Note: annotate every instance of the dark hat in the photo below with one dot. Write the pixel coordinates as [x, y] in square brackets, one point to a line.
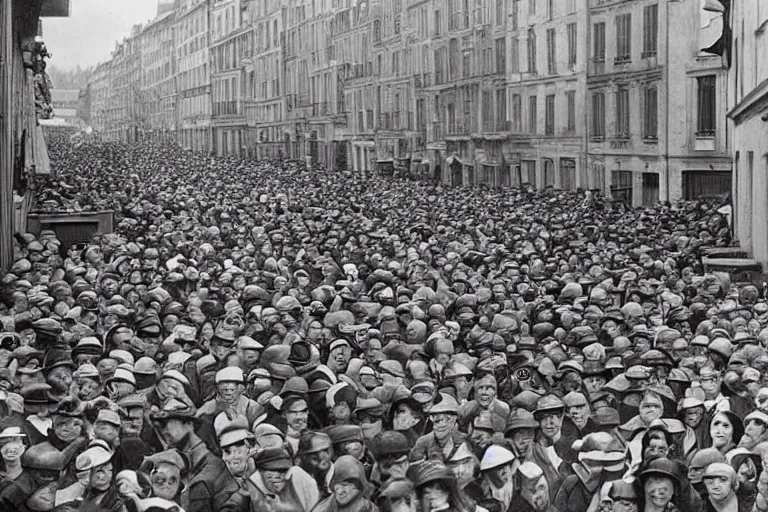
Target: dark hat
[390, 443]
[37, 394]
[341, 434]
[519, 419]
[429, 471]
[662, 467]
[273, 459]
[313, 442]
[69, 408]
[57, 357]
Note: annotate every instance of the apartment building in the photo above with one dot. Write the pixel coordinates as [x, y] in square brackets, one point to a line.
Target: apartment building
[265, 105]
[157, 91]
[657, 103]
[193, 80]
[99, 93]
[747, 85]
[125, 83]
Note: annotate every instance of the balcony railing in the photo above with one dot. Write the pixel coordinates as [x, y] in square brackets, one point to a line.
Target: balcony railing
[226, 108]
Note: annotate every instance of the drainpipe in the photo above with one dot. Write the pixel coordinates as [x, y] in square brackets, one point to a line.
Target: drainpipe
[666, 87]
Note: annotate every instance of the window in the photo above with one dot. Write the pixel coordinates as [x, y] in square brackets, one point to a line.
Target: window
[532, 114]
[623, 38]
[621, 185]
[514, 14]
[549, 127]
[598, 52]
[570, 97]
[466, 65]
[650, 111]
[514, 57]
[622, 113]
[531, 51]
[531, 7]
[501, 56]
[550, 9]
[598, 115]
[376, 30]
[501, 11]
[517, 113]
[438, 22]
[650, 30]
[501, 110]
[551, 52]
[572, 45]
[487, 113]
[707, 105]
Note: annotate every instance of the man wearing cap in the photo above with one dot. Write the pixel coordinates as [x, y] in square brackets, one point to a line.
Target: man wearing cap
[498, 468]
[230, 385]
[209, 486]
[136, 441]
[391, 375]
[623, 496]
[485, 404]
[277, 484]
[576, 424]
[38, 404]
[107, 427]
[202, 374]
[17, 484]
[248, 351]
[315, 453]
[122, 384]
[235, 439]
[445, 438]
[99, 493]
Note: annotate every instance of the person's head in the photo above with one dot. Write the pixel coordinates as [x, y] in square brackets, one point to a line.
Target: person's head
[651, 407]
[60, 379]
[166, 476]
[624, 497]
[721, 482]
[67, 428]
[656, 444]
[550, 423]
[296, 413]
[710, 381]
[316, 450]
[725, 429]
[175, 430]
[699, 462]
[755, 428]
[101, 477]
[236, 456]
[12, 445]
[534, 488]
[658, 490]
[577, 408]
[406, 414]
[340, 354]
[107, 426]
[692, 412]
[485, 390]
[230, 384]
[348, 482]
[397, 495]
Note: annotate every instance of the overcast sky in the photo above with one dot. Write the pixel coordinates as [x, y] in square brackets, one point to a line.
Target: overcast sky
[88, 36]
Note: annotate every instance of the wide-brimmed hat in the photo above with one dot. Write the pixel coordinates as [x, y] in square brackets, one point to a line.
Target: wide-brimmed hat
[662, 467]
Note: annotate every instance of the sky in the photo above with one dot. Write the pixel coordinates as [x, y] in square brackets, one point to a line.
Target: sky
[88, 36]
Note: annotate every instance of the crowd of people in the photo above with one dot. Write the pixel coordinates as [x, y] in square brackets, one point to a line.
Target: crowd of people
[263, 337]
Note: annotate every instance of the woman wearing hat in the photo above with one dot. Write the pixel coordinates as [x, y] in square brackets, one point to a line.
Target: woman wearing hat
[279, 485]
[436, 489]
[350, 489]
[725, 431]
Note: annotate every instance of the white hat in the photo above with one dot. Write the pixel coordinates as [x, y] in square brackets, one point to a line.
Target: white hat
[756, 415]
[230, 374]
[175, 375]
[108, 416]
[496, 456]
[12, 433]
[122, 356]
[88, 371]
[123, 375]
[338, 343]
[248, 343]
[92, 458]
[530, 470]
[179, 357]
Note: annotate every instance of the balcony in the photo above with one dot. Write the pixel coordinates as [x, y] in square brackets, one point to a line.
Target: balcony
[621, 60]
[226, 108]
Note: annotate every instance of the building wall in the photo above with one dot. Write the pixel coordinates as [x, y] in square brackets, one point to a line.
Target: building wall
[748, 125]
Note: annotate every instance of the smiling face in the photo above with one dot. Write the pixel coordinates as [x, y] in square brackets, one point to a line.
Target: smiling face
[166, 481]
[12, 450]
[658, 491]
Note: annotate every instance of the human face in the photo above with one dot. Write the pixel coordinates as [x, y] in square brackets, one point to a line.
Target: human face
[657, 448]
[355, 449]
[623, 505]
[88, 389]
[166, 480]
[550, 425]
[341, 412]
[650, 409]
[174, 431]
[106, 431]
[593, 383]
[522, 439]
[710, 385]
[436, 495]
[321, 460]
[341, 358]
[170, 388]
[481, 438]
[485, 393]
[275, 480]
[229, 391]
[394, 467]
[101, 477]
[755, 429]
[658, 491]
[67, 429]
[81, 359]
[371, 426]
[106, 368]
[442, 425]
[132, 425]
[721, 431]
[693, 416]
[60, 379]
[579, 414]
[12, 450]
[345, 492]
[297, 416]
[719, 488]
[404, 418]
[236, 458]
